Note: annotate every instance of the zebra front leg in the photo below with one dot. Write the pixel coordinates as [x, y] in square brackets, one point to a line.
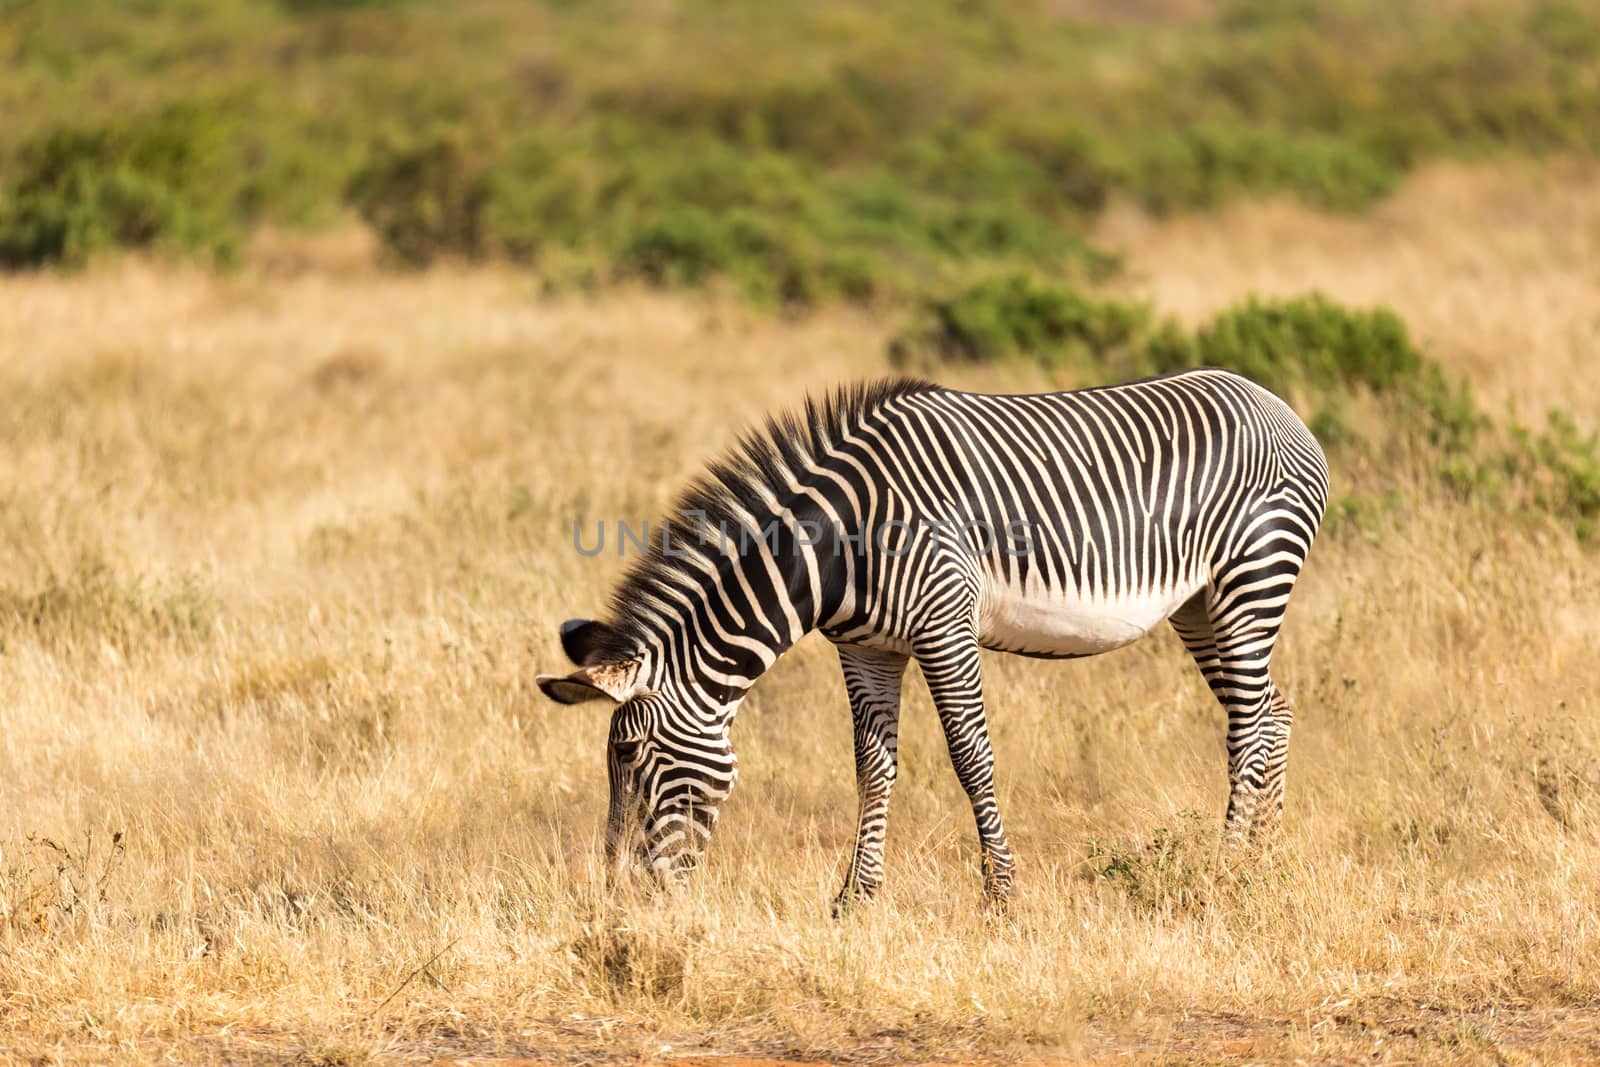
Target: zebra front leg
[873, 680]
[955, 679]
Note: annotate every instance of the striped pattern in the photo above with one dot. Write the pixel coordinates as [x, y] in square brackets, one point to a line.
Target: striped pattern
[908, 521]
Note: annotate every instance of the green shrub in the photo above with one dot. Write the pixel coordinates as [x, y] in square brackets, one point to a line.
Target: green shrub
[1175, 872]
[1203, 166]
[771, 261]
[424, 198]
[681, 212]
[80, 190]
[1305, 342]
[1557, 467]
[1308, 344]
[533, 197]
[969, 166]
[830, 120]
[1018, 314]
[1360, 512]
[92, 605]
[687, 246]
[1565, 29]
[1072, 165]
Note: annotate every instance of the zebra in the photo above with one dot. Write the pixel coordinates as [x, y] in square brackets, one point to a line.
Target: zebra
[907, 521]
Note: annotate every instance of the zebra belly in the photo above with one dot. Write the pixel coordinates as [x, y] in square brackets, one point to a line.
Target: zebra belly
[1044, 622]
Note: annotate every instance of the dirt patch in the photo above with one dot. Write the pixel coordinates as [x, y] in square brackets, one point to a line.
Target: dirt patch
[1342, 1034]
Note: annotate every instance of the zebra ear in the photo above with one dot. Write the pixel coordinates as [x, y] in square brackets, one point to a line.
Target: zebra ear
[570, 690]
[588, 643]
[610, 681]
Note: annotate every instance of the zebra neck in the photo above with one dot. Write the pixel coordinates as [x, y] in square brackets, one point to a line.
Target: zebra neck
[775, 579]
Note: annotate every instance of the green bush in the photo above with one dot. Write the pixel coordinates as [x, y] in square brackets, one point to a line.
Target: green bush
[541, 194]
[79, 190]
[681, 212]
[689, 245]
[1204, 166]
[1072, 166]
[772, 262]
[1175, 872]
[92, 606]
[1303, 345]
[1018, 314]
[424, 198]
[1305, 342]
[1558, 469]
[829, 120]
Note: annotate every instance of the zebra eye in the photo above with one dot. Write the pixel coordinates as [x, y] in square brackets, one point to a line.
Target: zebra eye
[627, 752]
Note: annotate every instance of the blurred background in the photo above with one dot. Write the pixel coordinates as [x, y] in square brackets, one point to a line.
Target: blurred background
[806, 152]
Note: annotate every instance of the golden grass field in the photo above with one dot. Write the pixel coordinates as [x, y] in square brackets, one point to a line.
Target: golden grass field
[281, 553]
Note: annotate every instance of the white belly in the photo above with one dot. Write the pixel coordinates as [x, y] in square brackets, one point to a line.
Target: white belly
[1047, 623]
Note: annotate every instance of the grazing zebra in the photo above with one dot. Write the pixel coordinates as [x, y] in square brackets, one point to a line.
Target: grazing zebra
[905, 520]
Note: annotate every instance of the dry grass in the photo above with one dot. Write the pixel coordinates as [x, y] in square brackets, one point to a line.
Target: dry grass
[281, 557]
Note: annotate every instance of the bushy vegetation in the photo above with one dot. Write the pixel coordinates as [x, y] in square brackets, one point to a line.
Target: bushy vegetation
[1316, 351]
[77, 189]
[1020, 314]
[1557, 467]
[804, 152]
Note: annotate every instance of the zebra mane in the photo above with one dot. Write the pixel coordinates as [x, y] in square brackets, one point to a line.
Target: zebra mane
[743, 482]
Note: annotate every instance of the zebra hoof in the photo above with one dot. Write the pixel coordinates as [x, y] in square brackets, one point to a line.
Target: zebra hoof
[848, 900]
[996, 886]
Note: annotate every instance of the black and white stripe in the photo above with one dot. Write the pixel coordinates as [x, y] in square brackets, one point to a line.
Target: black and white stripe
[905, 520]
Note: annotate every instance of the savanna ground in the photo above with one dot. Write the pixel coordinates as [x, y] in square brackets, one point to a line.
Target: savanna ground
[284, 550]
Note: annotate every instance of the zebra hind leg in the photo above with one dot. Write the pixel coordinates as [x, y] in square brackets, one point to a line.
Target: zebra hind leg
[1233, 651]
[873, 680]
[1268, 823]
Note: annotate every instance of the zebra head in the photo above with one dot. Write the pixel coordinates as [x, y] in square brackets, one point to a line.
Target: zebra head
[668, 759]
